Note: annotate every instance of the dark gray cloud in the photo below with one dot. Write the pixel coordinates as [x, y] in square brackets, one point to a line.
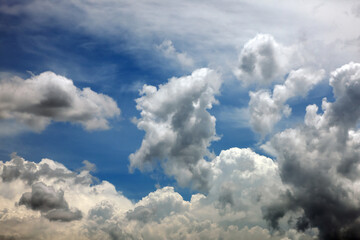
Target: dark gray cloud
[49, 97]
[320, 162]
[63, 215]
[2, 237]
[43, 198]
[50, 202]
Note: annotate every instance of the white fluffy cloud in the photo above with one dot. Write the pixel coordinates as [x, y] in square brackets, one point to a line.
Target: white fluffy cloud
[48, 97]
[319, 161]
[263, 61]
[178, 126]
[267, 109]
[47, 201]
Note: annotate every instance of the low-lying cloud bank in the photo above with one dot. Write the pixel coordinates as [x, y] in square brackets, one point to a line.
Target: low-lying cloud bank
[45, 200]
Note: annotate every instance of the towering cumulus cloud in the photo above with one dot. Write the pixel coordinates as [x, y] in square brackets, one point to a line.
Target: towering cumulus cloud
[49, 97]
[178, 127]
[320, 162]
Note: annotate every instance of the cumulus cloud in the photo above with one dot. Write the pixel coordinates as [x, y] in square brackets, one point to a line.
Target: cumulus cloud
[242, 182]
[48, 97]
[319, 161]
[48, 205]
[178, 126]
[169, 51]
[53, 204]
[267, 109]
[263, 61]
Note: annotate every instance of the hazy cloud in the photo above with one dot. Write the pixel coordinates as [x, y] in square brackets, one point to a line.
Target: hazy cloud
[169, 51]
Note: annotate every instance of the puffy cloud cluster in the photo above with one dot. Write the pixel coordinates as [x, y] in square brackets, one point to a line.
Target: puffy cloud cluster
[50, 206]
[48, 97]
[267, 109]
[319, 161]
[263, 60]
[178, 126]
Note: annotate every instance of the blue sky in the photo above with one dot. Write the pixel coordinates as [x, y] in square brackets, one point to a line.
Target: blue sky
[229, 76]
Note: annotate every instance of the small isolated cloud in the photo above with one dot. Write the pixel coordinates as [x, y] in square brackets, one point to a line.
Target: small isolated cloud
[177, 124]
[267, 109]
[263, 61]
[48, 97]
[169, 51]
[319, 161]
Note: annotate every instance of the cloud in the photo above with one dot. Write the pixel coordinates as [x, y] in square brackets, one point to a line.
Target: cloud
[167, 48]
[157, 205]
[319, 161]
[267, 109]
[263, 61]
[48, 206]
[53, 204]
[241, 181]
[178, 126]
[48, 97]
[211, 36]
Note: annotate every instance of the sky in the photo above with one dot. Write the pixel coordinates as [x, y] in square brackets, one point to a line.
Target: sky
[179, 119]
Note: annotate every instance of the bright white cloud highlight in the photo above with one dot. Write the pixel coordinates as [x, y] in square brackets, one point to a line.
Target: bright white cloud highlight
[48, 97]
[267, 109]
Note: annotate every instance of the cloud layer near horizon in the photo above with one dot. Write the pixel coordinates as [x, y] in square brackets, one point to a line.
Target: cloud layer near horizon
[61, 204]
